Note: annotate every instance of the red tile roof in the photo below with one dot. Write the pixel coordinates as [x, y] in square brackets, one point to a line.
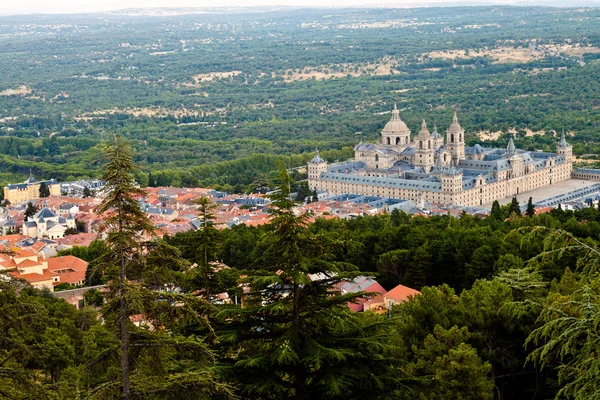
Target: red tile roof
[46, 275]
[401, 293]
[70, 268]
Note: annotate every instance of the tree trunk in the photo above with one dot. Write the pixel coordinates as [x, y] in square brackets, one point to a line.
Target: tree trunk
[124, 318]
[300, 372]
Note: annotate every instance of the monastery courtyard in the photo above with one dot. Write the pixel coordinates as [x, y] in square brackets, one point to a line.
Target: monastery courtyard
[545, 192]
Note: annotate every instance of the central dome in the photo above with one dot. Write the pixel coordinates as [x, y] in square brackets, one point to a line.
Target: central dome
[395, 125]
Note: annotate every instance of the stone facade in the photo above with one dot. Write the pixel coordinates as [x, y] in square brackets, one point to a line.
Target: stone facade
[426, 169]
[29, 190]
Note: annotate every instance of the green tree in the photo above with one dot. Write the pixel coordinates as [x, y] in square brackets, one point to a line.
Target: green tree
[497, 211]
[44, 190]
[295, 336]
[530, 212]
[30, 210]
[125, 225]
[451, 367]
[514, 207]
[139, 269]
[87, 192]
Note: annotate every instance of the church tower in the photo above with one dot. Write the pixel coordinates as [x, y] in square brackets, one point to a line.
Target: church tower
[563, 148]
[316, 167]
[395, 133]
[455, 140]
[424, 149]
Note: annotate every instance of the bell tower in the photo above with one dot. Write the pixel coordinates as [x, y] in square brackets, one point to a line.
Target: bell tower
[563, 148]
[424, 149]
[455, 140]
[316, 167]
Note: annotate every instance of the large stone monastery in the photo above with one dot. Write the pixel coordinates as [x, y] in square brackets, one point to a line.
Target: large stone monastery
[431, 169]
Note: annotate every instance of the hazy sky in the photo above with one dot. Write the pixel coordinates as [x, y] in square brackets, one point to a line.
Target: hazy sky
[76, 6]
[69, 6]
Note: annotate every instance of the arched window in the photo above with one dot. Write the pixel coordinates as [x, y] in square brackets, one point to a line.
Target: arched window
[420, 145]
[397, 140]
[388, 140]
[376, 157]
[460, 137]
[444, 157]
[429, 144]
[452, 137]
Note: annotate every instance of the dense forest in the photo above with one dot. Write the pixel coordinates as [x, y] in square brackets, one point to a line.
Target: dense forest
[217, 98]
[508, 308]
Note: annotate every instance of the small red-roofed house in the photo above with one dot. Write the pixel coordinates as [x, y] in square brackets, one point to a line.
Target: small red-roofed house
[399, 294]
[364, 284]
[40, 273]
[70, 268]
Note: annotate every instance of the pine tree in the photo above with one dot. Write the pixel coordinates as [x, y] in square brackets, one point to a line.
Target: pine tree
[140, 268]
[205, 244]
[44, 190]
[87, 192]
[496, 211]
[530, 208]
[30, 210]
[151, 180]
[295, 336]
[514, 207]
[125, 225]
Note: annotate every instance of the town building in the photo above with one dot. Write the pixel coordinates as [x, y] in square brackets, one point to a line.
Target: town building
[41, 273]
[29, 190]
[47, 224]
[429, 169]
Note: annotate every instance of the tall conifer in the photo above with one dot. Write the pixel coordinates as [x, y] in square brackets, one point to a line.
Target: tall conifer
[295, 336]
[167, 365]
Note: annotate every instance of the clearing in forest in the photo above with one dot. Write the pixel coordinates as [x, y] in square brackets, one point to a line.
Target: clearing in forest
[21, 91]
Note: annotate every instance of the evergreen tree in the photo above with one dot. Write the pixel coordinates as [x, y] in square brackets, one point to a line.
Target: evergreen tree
[514, 207]
[30, 210]
[496, 211]
[205, 243]
[44, 190]
[151, 180]
[125, 224]
[295, 336]
[140, 269]
[530, 212]
[87, 192]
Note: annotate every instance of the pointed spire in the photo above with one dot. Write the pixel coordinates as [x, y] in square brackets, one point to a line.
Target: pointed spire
[510, 149]
[455, 119]
[395, 112]
[435, 132]
[317, 158]
[439, 165]
[563, 140]
[423, 124]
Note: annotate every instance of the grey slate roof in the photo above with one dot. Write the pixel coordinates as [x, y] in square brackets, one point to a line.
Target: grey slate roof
[377, 181]
[44, 213]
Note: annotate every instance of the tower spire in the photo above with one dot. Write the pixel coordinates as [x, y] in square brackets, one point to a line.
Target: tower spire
[563, 140]
[510, 149]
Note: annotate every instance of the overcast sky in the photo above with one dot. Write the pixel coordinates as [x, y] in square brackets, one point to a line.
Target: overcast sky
[75, 6]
